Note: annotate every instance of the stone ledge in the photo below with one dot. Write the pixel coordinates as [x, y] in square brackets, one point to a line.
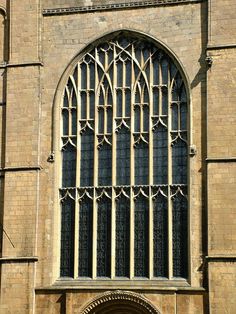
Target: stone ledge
[18, 259]
[116, 6]
[220, 159]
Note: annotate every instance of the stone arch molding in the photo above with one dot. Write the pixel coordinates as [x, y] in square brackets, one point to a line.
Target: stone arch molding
[119, 302]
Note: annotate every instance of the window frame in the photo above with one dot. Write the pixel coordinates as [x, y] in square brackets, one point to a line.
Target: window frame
[98, 282]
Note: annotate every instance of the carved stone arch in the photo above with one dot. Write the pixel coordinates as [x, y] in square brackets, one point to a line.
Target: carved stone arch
[119, 302]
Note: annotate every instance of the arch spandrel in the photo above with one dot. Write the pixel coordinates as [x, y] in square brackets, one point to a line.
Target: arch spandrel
[119, 302]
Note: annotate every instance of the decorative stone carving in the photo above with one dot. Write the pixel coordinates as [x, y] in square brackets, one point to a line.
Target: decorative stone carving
[126, 298]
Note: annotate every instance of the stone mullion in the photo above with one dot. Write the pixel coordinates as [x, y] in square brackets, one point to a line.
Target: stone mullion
[78, 150]
[113, 209]
[132, 167]
[150, 173]
[95, 172]
[169, 128]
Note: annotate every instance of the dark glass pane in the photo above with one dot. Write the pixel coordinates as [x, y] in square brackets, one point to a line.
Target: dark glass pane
[65, 119]
[104, 238]
[141, 164]
[145, 95]
[74, 121]
[83, 76]
[137, 96]
[74, 100]
[155, 72]
[160, 237]
[160, 155]
[67, 238]
[101, 120]
[127, 103]
[179, 162]
[65, 100]
[156, 101]
[83, 96]
[164, 70]
[123, 157]
[128, 73]
[122, 237]
[137, 119]
[92, 75]
[145, 118]
[85, 237]
[183, 116]
[164, 101]
[105, 165]
[174, 113]
[101, 101]
[109, 120]
[87, 158]
[141, 240]
[68, 166]
[119, 103]
[119, 66]
[180, 236]
[92, 104]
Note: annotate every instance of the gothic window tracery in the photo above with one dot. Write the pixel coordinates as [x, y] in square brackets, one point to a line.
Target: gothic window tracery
[124, 139]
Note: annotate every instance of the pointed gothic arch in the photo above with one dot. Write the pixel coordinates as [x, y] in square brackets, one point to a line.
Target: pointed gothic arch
[126, 91]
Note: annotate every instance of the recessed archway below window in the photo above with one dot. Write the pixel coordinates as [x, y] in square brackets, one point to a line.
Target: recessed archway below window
[120, 302]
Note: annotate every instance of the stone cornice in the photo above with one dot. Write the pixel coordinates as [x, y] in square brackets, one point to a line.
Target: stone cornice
[115, 6]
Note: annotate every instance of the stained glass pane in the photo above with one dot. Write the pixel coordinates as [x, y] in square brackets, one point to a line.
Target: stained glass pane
[67, 237]
[141, 164]
[68, 166]
[141, 240]
[85, 237]
[104, 238]
[180, 236]
[160, 236]
[105, 165]
[122, 237]
[123, 157]
[179, 162]
[160, 155]
[87, 158]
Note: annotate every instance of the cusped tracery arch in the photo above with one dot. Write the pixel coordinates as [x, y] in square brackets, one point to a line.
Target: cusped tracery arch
[120, 302]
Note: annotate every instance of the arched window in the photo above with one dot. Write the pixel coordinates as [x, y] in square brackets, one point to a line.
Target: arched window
[124, 144]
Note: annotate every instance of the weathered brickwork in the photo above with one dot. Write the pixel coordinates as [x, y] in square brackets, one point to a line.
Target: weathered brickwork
[41, 48]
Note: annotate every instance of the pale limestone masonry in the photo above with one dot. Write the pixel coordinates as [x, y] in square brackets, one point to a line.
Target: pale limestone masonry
[38, 41]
